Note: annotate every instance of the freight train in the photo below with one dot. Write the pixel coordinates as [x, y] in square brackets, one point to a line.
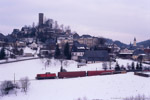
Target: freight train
[74, 74]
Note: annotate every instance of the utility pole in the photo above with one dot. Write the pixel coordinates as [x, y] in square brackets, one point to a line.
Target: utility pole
[14, 78]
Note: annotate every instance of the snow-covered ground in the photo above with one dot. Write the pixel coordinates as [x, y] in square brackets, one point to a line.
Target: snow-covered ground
[109, 87]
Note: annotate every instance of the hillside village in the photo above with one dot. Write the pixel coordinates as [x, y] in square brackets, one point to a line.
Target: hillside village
[49, 39]
[51, 51]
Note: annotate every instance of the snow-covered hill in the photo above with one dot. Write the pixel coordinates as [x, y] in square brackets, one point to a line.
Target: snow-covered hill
[109, 87]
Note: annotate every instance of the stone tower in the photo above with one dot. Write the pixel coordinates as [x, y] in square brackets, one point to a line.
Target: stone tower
[41, 18]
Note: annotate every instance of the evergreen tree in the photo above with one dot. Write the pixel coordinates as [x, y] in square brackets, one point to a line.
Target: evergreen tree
[133, 66]
[140, 66]
[67, 51]
[2, 54]
[21, 52]
[15, 49]
[57, 51]
[137, 66]
[101, 41]
[117, 67]
[128, 66]
[69, 57]
[61, 69]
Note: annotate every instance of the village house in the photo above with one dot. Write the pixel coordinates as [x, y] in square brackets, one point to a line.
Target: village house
[47, 49]
[29, 40]
[96, 56]
[137, 53]
[2, 40]
[88, 40]
[20, 44]
[63, 39]
[126, 53]
[33, 46]
[27, 52]
[78, 50]
[147, 56]
[2, 43]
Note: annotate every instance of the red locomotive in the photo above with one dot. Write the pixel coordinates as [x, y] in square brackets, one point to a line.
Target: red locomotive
[47, 75]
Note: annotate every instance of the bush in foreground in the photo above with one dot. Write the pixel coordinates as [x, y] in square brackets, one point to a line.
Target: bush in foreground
[138, 97]
[6, 87]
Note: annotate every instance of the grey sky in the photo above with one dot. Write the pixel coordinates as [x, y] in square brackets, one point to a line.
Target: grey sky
[116, 19]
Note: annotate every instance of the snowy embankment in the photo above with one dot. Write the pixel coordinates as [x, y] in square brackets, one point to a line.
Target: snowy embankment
[109, 87]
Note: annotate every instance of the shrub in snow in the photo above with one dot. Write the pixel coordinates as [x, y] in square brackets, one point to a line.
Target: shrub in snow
[137, 66]
[138, 97]
[83, 98]
[123, 68]
[6, 86]
[25, 83]
[2, 54]
[21, 52]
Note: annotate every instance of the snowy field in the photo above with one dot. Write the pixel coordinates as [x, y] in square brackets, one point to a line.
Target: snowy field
[109, 87]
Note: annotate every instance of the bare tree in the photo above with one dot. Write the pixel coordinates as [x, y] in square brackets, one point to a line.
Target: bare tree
[25, 83]
[16, 86]
[47, 63]
[138, 97]
[105, 67]
[66, 63]
[82, 99]
[61, 62]
[110, 63]
[42, 59]
[61, 68]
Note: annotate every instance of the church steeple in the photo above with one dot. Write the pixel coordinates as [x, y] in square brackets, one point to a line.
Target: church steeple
[134, 39]
[134, 42]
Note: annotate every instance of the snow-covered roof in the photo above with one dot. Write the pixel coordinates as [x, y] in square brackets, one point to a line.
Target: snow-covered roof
[125, 53]
[28, 50]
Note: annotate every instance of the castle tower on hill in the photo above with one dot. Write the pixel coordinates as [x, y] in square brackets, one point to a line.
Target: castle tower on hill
[134, 42]
[41, 18]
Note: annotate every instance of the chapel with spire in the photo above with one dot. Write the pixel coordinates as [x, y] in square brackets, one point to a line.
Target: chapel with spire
[134, 42]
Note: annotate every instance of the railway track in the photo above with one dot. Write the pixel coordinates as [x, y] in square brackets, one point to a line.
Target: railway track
[6, 62]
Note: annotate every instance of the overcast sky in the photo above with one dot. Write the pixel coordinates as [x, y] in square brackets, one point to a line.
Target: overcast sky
[116, 19]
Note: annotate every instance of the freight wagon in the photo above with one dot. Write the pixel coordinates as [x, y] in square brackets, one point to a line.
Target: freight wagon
[103, 72]
[71, 74]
